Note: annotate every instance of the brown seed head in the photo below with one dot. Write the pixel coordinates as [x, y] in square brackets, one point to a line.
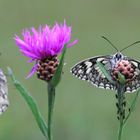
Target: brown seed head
[46, 68]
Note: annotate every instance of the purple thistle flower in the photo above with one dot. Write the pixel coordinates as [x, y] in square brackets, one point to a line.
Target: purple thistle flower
[44, 43]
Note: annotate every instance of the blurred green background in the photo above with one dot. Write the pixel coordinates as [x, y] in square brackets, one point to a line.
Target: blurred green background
[82, 112]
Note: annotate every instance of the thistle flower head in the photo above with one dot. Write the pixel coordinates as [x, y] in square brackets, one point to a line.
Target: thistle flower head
[45, 43]
[125, 68]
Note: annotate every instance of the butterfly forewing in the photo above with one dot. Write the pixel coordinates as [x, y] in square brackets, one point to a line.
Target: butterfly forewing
[3, 93]
[88, 70]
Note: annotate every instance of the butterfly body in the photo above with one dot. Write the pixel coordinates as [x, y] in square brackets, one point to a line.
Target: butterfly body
[88, 70]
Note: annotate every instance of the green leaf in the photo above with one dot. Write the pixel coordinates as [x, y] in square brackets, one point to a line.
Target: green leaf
[121, 78]
[132, 107]
[57, 76]
[105, 72]
[31, 103]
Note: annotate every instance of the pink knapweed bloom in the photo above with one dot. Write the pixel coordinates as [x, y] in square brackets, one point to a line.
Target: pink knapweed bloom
[45, 42]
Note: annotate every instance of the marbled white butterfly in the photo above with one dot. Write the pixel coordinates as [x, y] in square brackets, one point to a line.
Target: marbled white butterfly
[3, 92]
[88, 70]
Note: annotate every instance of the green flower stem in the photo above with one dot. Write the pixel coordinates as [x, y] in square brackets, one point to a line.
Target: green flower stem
[120, 101]
[121, 108]
[51, 91]
[51, 98]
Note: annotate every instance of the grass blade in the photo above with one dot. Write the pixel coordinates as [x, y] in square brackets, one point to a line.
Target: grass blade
[105, 72]
[132, 107]
[31, 103]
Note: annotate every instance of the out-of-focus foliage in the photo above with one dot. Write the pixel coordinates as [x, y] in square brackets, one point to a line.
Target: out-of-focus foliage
[82, 112]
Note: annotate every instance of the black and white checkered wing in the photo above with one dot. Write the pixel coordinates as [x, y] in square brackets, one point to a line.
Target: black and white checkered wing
[88, 70]
[135, 83]
[3, 93]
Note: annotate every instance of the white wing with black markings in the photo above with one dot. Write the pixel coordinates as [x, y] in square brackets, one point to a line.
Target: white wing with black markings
[88, 70]
[3, 92]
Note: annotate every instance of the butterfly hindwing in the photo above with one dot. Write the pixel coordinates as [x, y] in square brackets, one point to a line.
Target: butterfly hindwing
[88, 70]
[3, 93]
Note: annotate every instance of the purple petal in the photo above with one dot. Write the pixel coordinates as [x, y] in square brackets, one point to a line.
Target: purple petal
[29, 54]
[73, 43]
[31, 60]
[33, 70]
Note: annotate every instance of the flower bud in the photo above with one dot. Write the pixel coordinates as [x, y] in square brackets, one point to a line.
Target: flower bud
[126, 68]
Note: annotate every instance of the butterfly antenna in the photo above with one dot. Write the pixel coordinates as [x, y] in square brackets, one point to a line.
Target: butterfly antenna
[110, 43]
[130, 45]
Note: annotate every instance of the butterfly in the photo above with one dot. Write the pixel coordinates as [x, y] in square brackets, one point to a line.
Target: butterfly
[4, 102]
[89, 70]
